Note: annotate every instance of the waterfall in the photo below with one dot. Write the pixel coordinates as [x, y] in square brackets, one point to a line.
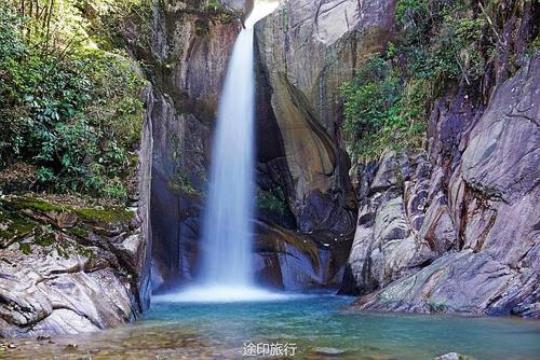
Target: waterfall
[226, 272]
[227, 231]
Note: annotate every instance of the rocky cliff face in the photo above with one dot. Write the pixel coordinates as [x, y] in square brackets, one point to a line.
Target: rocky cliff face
[305, 50]
[449, 229]
[186, 53]
[457, 231]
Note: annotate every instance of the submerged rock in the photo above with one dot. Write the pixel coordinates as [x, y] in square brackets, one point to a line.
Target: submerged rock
[328, 351]
[453, 356]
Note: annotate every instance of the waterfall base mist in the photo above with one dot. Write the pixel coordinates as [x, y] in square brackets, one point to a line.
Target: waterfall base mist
[221, 294]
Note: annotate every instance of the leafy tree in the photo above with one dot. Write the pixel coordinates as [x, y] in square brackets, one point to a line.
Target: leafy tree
[66, 107]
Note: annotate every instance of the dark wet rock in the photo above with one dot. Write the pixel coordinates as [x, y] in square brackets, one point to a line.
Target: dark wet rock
[292, 261]
[472, 213]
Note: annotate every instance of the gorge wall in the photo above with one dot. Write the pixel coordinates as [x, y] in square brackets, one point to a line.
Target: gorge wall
[305, 50]
[451, 227]
[455, 229]
[424, 222]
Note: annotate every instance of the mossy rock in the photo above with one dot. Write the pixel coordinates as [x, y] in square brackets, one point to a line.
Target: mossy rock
[93, 215]
[45, 239]
[24, 202]
[13, 226]
[111, 215]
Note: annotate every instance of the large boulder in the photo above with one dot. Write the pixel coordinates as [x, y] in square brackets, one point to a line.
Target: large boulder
[68, 269]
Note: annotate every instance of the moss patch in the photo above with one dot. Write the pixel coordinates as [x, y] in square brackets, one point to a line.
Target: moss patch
[25, 248]
[21, 203]
[14, 226]
[94, 215]
[112, 215]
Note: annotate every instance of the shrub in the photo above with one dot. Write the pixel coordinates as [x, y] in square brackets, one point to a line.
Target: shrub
[441, 43]
[272, 200]
[381, 110]
[74, 113]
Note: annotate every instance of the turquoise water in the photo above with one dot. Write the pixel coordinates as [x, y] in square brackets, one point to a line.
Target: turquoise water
[313, 322]
[309, 323]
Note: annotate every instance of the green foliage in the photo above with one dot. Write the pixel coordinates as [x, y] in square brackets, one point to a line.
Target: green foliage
[112, 18]
[180, 184]
[273, 201]
[444, 40]
[381, 110]
[212, 5]
[440, 43]
[73, 112]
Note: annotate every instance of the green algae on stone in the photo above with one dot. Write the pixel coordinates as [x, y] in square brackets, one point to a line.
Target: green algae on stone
[105, 215]
[32, 203]
[25, 248]
[13, 226]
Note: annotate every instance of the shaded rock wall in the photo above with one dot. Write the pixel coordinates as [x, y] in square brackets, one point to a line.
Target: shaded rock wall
[304, 51]
[455, 229]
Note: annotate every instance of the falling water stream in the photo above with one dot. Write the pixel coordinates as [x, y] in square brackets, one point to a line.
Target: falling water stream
[226, 272]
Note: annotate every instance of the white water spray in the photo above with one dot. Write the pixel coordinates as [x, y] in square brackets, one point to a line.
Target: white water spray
[227, 271]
